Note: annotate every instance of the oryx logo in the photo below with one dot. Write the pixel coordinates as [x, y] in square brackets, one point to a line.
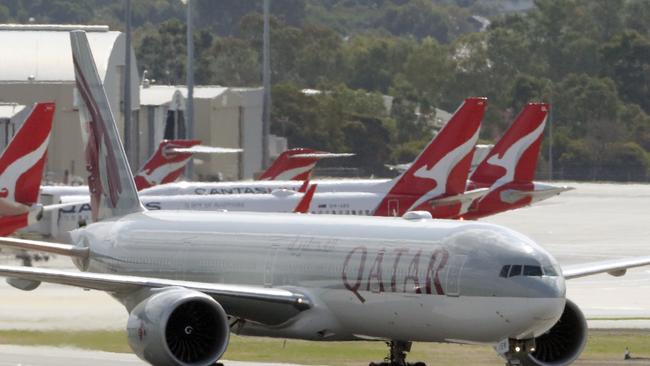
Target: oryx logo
[510, 158]
[439, 173]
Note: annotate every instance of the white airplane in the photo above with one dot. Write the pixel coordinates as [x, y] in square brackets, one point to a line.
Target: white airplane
[188, 279]
[435, 181]
[165, 166]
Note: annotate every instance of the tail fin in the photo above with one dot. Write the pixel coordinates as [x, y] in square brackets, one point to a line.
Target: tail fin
[165, 165]
[443, 166]
[112, 190]
[303, 205]
[296, 164]
[23, 161]
[514, 157]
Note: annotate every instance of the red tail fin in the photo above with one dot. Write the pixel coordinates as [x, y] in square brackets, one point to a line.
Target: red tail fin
[293, 164]
[23, 161]
[514, 157]
[443, 166]
[303, 205]
[304, 186]
[165, 166]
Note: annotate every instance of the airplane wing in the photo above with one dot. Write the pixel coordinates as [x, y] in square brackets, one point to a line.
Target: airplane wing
[616, 267]
[260, 304]
[270, 306]
[202, 149]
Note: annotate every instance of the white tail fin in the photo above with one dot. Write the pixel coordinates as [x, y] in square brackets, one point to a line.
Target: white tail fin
[112, 190]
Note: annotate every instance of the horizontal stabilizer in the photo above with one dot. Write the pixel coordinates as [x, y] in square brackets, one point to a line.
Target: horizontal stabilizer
[43, 246]
[616, 267]
[513, 195]
[202, 149]
[321, 155]
[465, 197]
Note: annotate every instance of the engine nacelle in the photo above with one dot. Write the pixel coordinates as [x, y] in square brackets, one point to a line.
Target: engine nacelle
[564, 342]
[178, 327]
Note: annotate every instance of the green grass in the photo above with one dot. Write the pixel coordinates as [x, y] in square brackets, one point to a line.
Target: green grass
[602, 345]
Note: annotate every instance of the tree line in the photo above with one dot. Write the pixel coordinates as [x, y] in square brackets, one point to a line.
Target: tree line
[589, 58]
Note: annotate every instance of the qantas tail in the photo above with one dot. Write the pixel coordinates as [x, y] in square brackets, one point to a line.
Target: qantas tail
[21, 169]
[166, 165]
[111, 185]
[442, 167]
[514, 157]
[296, 164]
[23, 161]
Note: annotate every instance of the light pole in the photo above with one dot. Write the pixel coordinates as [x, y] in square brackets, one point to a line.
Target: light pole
[189, 105]
[128, 133]
[266, 80]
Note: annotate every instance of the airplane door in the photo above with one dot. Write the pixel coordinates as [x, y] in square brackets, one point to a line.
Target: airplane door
[393, 207]
[270, 265]
[456, 264]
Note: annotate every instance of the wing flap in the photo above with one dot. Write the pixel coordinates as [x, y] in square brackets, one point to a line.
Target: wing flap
[260, 304]
[616, 267]
[202, 149]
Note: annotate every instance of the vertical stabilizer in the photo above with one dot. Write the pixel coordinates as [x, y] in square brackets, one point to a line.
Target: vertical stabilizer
[442, 167]
[514, 157]
[166, 165]
[23, 161]
[112, 190]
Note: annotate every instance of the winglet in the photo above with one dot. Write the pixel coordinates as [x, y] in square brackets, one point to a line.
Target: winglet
[110, 181]
[514, 157]
[165, 165]
[305, 202]
[296, 164]
[442, 167]
[304, 186]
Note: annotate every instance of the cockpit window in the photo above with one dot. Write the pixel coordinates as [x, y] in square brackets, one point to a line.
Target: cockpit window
[550, 271]
[504, 271]
[515, 270]
[532, 271]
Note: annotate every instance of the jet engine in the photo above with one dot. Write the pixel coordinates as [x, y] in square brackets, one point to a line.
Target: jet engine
[564, 342]
[178, 327]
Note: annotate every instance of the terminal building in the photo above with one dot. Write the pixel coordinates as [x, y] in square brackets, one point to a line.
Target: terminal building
[37, 66]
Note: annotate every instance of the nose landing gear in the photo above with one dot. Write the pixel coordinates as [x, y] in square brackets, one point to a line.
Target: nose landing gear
[397, 355]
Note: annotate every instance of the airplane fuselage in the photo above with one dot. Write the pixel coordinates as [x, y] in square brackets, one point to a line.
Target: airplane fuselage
[379, 278]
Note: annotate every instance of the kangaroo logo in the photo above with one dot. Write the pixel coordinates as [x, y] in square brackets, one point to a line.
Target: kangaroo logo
[15, 170]
[439, 173]
[510, 158]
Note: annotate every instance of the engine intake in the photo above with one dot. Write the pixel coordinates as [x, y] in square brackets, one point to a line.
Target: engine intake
[178, 327]
[564, 342]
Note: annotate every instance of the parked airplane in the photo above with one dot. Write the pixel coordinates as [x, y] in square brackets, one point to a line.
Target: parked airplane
[164, 166]
[509, 169]
[434, 182]
[188, 279]
[21, 169]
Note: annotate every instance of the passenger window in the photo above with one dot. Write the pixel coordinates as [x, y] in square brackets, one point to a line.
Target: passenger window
[504, 271]
[535, 271]
[515, 270]
[354, 212]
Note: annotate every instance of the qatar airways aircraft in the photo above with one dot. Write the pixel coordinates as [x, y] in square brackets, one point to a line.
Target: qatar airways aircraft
[436, 181]
[21, 169]
[188, 279]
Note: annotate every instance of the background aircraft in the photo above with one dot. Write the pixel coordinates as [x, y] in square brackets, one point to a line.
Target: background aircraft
[21, 169]
[189, 278]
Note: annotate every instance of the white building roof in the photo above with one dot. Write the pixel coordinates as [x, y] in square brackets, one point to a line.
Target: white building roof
[154, 95]
[42, 53]
[8, 110]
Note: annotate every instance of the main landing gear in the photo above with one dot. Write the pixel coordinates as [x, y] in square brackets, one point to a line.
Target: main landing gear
[397, 355]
